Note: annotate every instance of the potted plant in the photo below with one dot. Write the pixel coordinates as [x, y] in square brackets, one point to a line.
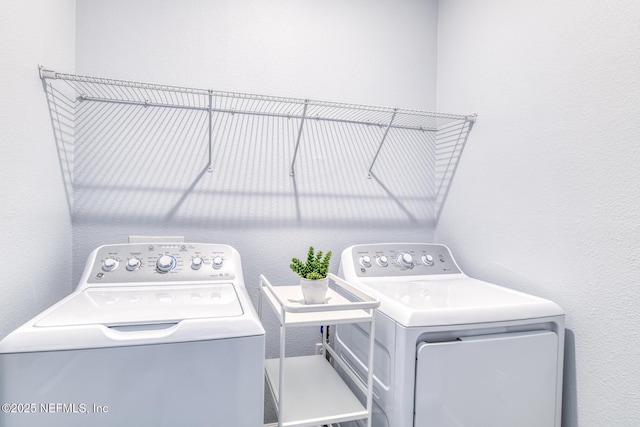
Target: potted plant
[313, 275]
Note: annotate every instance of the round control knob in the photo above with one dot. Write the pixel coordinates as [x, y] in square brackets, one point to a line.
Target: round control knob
[133, 264]
[382, 261]
[165, 263]
[217, 262]
[427, 260]
[405, 259]
[110, 264]
[196, 263]
[365, 261]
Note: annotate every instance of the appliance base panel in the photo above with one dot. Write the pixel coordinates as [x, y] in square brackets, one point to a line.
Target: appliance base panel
[198, 383]
[501, 380]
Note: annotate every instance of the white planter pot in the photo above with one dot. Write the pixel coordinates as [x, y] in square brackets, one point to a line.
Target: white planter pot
[314, 291]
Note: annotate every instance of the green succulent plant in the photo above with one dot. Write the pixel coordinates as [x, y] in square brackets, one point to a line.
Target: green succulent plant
[316, 267]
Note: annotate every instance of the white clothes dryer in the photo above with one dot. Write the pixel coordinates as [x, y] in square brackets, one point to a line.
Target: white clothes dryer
[451, 350]
[155, 334]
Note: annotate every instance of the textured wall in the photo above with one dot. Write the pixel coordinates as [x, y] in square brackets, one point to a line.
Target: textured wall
[546, 198]
[35, 226]
[346, 51]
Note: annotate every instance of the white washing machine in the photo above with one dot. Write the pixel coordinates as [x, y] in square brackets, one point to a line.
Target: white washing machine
[451, 350]
[156, 334]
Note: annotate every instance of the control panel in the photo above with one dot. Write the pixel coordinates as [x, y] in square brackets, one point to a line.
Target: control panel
[162, 262]
[402, 259]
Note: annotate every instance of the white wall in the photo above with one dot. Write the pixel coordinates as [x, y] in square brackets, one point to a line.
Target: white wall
[369, 52]
[331, 50]
[35, 226]
[547, 199]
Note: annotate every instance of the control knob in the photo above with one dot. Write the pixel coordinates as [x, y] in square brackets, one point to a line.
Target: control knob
[382, 261]
[405, 259]
[110, 264]
[133, 264]
[427, 260]
[217, 262]
[165, 263]
[196, 263]
[365, 261]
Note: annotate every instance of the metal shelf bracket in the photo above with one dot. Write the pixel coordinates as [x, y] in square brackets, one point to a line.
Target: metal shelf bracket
[210, 164]
[295, 151]
[384, 137]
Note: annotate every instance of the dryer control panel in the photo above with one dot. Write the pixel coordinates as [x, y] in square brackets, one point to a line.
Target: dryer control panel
[161, 262]
[400, 259]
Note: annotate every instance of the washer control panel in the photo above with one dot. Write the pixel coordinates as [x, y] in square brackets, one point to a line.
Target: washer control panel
[162, 262]
[401, 259]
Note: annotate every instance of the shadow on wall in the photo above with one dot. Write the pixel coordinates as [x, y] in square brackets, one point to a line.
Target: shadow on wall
[140, 155]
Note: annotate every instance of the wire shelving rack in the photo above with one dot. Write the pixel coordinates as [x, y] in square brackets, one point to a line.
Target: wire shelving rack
[447, 133]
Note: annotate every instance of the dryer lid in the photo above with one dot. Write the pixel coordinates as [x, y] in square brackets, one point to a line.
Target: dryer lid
[457, 300]
[135, 305]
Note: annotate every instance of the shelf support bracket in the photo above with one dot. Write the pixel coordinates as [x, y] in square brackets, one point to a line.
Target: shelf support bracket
[384, 137]
[45, 74]
[210, 165]
[295, 152]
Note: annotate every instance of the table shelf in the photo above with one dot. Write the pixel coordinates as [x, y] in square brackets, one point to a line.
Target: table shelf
[300, 314]
[307, 390]
[306, 400]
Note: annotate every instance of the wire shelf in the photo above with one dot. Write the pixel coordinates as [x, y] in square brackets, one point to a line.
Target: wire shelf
[147, 94]
[99, 109]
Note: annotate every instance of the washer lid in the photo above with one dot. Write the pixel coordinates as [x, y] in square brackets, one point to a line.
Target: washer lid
[136, 305]
[455, 301]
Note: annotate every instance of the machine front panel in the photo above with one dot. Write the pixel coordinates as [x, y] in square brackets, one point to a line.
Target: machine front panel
[205, 383]
[501, 380]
